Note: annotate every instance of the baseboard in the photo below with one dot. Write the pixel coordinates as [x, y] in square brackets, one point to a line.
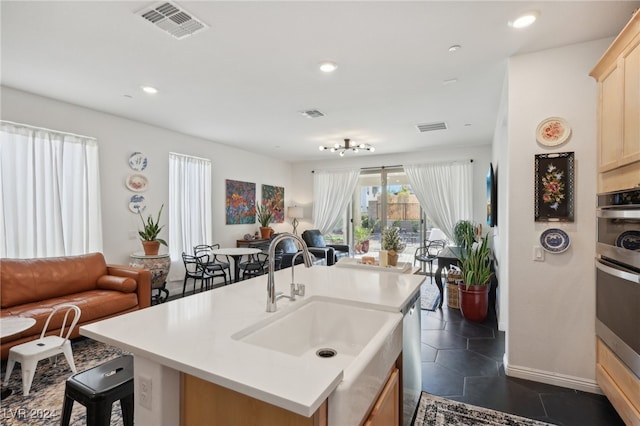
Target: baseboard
[551, 378]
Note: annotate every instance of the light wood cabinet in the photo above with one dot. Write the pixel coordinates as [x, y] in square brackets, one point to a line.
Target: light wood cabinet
[619, 384]
[386, 410]
[618, 77]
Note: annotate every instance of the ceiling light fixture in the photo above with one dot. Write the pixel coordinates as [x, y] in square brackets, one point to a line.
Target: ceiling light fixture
[328, 66]
[150, 90]
[455, 48]
[348, 146]
[525, 20]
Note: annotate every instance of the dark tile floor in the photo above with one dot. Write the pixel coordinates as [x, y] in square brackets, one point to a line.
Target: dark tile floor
[462, 360]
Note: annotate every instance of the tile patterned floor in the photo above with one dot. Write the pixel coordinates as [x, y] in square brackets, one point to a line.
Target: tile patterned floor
[462, 360]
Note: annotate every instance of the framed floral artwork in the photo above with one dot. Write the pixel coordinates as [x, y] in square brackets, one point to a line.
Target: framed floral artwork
[273, 198]
[554, 187]
[240, 202]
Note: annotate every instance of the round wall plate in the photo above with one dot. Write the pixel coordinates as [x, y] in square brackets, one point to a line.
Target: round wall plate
[553, 131]
[137, 204]
[138, 161]
[555, 240]
[137, 183]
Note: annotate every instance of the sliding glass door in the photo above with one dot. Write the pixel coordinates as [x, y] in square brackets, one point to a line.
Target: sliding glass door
[383, 197]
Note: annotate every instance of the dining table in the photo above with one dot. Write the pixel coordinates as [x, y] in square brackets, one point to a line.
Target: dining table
[236, 254]
[8, 327]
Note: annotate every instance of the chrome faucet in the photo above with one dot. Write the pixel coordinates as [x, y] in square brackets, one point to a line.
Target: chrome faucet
[271, 284]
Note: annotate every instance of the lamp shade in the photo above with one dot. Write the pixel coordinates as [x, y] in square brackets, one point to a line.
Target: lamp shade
[295, 212]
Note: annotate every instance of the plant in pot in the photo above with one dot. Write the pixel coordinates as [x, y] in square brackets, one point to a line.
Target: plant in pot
[462, 231]
[149, 234]
[391, 242]
[362, 235]
[264, 216]
[473, 292]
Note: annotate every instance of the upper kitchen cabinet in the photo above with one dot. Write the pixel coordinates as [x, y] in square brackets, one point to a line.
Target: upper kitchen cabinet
[618, 77]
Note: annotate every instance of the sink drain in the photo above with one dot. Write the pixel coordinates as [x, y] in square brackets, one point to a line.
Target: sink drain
[326, 353]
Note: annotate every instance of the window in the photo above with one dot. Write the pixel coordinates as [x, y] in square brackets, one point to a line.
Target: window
[50, 193]
[189, 207]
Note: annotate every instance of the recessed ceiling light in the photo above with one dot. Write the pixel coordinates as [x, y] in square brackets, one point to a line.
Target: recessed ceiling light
[149, 89]
[328, 66]
[450, 81]
[525, 20]
[455, 48]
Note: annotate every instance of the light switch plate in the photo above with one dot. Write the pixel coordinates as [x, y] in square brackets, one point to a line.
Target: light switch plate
[538, 254]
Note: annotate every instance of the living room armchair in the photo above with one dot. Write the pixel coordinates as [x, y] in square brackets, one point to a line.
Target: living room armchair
[331, 252]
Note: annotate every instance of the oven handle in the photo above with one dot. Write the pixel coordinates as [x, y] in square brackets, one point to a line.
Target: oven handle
[618, 213]
[627, 276]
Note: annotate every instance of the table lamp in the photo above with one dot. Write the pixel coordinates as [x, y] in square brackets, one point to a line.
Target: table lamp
[295, 213]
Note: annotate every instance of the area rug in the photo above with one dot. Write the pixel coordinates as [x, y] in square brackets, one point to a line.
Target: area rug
[437, 411]
[429, 296]
[43, 405]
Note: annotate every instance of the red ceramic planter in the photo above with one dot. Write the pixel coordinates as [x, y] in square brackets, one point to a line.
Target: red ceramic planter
[474, 302]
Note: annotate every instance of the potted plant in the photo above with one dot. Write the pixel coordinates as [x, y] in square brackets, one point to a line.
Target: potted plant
[362, 235]
[475, 266]
[391, 242]
[462, 230]
[264, 216]
[149, 234]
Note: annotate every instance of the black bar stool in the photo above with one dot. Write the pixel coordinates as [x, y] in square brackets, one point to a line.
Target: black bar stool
[98, 388]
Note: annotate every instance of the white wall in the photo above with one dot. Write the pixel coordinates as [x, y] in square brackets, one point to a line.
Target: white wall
[118, 138]
[302, 192]
[551, 335]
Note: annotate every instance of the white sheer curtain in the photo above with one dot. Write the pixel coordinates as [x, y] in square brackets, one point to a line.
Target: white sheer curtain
[189, 207]
[332, 191]
[445, 192]
[49, 193]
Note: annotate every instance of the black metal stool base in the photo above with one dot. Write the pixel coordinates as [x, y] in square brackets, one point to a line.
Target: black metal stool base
[98, 388]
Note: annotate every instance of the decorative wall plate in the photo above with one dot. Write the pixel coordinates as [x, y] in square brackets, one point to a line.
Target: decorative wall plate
[629, 240]
[555, 240]
[137, 203]
[553, 131]
[138, 161]
[137, 183]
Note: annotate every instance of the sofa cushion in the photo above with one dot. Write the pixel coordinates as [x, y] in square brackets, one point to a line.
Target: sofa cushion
[32, 280]
[111, 282]
[93, 305]
[313, 238]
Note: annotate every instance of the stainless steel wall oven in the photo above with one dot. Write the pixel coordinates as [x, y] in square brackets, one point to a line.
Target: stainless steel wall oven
[618, 274]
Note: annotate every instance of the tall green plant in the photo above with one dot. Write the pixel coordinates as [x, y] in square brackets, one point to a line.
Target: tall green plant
[475, 262]
[264, 215]
[151, 228]
[391, 239]
[362, 233]
[462, 231]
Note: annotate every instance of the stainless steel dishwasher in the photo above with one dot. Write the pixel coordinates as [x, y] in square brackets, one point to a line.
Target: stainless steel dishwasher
[411, 359]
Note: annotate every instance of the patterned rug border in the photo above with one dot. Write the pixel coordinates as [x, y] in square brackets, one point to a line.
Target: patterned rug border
[429, 295]
[437, 411]
[43, 405]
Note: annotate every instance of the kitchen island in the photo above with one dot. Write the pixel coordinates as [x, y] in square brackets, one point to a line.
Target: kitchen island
[196, 339]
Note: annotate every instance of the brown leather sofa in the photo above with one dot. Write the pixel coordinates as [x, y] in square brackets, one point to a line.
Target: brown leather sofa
[31, 287]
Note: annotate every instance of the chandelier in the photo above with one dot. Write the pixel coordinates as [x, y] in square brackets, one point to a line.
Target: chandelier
[348, 146]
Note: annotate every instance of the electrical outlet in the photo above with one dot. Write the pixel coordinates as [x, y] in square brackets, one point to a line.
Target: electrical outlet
[538, 254]
[145, 391]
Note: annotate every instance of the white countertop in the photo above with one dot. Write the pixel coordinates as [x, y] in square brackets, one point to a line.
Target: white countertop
[193, 334]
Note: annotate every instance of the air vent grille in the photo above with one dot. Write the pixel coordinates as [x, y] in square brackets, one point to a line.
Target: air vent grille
[430, 127]
[172, 19]
[312, 113]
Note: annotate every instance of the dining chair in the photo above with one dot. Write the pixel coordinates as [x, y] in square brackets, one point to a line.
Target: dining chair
[195, 268]
[219, 265]
[28, 354]
[258, 264]
[427, 253]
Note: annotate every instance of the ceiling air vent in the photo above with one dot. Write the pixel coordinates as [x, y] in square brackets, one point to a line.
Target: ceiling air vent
[312, 113]
[430, 127]
[172, 19]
